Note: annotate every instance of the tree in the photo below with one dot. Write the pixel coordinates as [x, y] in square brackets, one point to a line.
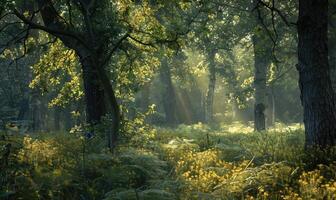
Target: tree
[81, 31]
[211, 86]
[262, 46]
[168, 92]
[317, 95]
[210, 35]
[262, 60]
[95, 31]
[332, 42]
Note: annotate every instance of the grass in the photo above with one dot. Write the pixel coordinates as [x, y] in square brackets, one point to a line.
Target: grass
[188, 162]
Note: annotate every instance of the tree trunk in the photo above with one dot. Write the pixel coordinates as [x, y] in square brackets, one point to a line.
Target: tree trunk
[270, 117]
[317, 95]
[143, 98]
[97, 87]
[211, 87]
[113, 107]
[86, 48]
[332, 62]
[36, 116]
[94, 92]
[57, 117]
[273, 107]
[235, 110]
[67, 119]
[332, 58]
[168, 93]
[332, 45]
[85, 44]
[24, 109]
[198, 105]
[261, 63]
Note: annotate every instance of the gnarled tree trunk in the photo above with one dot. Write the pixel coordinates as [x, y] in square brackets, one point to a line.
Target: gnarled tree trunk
[96, 81]
[113, 107]
[94, 92]
[317, 95]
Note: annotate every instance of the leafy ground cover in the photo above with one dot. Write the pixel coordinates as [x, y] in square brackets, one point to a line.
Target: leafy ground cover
[187, 162]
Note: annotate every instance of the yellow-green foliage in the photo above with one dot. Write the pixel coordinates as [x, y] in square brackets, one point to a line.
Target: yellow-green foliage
[236, 163]
[64, 166]
[190, 162]
[53, 151]
[58, 71]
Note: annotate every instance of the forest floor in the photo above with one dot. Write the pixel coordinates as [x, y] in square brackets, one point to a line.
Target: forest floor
[187, 162]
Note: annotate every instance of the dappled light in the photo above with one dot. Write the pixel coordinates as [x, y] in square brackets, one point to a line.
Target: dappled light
[167, 100]
[183, 163]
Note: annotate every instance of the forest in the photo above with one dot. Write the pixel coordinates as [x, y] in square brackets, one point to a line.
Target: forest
[167, 99]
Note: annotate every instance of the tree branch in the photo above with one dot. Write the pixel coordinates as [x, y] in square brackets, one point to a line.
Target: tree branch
[55, 32]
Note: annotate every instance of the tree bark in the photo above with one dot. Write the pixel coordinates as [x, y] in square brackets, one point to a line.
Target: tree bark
[332, 45]
[211, 87]
[332, 56]
[97, 87]
[57, 118]
[94, 92]
[24, 109]
[168, 93]
[113, 107]
[197, 104]
[332, 63]
[273, 107]
[67, 119]
[99, 94]
[317, 95]
[36, 115]
[261, 63]
[270, 116]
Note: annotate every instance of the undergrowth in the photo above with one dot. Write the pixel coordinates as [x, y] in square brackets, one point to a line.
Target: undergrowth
[188, 162]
